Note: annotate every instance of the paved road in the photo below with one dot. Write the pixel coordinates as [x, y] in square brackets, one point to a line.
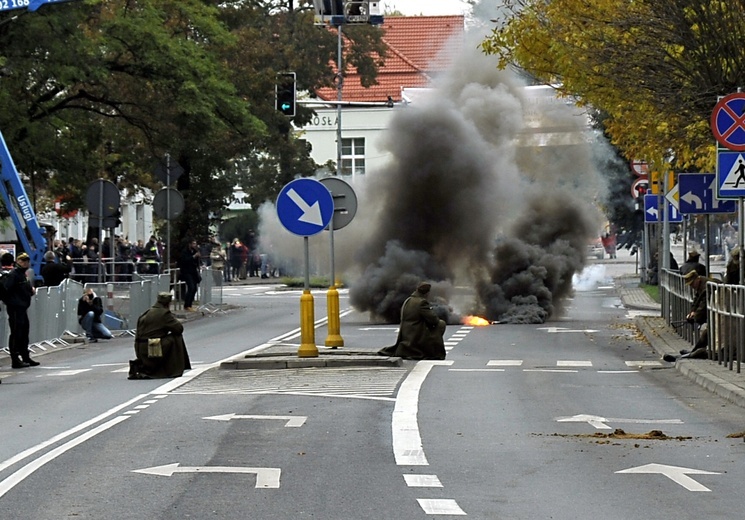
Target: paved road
[504, 428]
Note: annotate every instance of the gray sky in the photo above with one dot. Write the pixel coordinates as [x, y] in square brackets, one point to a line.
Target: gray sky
[427, 7]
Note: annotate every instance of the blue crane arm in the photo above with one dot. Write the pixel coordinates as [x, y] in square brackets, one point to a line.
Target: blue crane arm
[19, 207]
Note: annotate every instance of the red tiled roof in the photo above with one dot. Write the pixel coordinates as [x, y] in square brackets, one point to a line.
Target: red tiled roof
[418, 48]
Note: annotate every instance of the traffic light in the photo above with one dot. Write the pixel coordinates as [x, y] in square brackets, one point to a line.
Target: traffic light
[286, 93]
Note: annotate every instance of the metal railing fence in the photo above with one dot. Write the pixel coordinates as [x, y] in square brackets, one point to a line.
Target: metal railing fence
[53, 311]
[725, 316]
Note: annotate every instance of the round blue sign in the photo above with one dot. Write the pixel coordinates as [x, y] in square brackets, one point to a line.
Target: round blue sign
[728, 121]
[305, 207]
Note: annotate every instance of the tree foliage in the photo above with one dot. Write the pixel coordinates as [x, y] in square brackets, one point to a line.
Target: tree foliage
[655, 68]
[105, 88]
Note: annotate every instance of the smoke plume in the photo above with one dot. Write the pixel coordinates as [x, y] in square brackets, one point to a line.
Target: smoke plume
[489, 195]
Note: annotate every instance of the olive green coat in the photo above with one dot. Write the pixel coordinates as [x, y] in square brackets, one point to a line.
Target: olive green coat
[420, 335]
[159, 322]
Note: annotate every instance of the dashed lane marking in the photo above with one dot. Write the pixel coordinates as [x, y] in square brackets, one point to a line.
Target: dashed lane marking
[440, 507]
[422, 481]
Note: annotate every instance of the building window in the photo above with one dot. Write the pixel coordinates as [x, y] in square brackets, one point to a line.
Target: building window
[353, 156]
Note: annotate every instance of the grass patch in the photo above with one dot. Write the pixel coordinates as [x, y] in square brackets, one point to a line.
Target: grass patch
[315, 282]
[653, 291]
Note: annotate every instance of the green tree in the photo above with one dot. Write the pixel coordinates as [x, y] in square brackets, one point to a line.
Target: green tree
[655, 68]
[99, 88]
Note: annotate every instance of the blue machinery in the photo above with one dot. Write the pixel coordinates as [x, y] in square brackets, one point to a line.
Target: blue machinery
[14, 194]
[19, 207]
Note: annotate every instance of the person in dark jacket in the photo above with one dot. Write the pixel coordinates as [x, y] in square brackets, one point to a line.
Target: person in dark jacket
[18, 291]
[90, 310]
[53, 272]
[169, 358]
[188, 264]
[692, 263]
[698, 315]
[732, 273]
[420, 335]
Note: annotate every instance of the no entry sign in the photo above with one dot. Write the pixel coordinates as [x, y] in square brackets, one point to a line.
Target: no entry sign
[728, 121]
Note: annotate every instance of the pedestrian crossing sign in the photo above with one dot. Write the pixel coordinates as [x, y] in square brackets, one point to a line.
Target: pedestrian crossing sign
[731, 174]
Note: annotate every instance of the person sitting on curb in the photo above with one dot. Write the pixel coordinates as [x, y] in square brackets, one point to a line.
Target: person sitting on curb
[697, 315]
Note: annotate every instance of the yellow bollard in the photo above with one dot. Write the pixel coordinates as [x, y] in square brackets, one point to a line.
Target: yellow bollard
[307, 327]
[334, 338]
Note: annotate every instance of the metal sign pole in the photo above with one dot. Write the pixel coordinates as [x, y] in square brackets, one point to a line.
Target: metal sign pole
[168, 212]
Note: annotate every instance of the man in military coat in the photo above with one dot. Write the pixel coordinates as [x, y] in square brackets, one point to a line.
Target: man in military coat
[420, 335]
[159, 322]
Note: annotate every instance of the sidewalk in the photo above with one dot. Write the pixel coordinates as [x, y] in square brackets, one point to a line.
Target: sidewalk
[714, 377]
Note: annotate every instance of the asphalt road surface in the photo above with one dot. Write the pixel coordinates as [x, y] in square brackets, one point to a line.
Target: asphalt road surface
[572, 419]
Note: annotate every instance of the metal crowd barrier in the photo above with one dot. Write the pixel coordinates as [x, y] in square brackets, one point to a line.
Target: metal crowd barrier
[53, 311]
[725, 320]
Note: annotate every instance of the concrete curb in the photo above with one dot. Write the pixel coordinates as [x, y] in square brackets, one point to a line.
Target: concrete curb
[715, 378]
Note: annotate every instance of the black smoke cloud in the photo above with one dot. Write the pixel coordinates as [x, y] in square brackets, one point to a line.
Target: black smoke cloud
[471, 199]
[488, 194]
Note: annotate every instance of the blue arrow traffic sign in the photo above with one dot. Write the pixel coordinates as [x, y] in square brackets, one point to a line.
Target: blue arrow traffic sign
[652, 211]
[305, 207]
[731, 174]
[697, 194]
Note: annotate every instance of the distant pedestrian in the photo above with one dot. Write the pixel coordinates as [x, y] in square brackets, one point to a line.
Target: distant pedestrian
[189, 264]
[420, 335]
[732, 273]
[55, 271]
[18, 292]
[692, 263]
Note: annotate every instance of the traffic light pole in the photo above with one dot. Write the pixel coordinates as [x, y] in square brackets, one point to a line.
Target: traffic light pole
[334, 339]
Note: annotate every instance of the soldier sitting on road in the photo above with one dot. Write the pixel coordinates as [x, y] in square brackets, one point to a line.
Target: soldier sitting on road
[697, 315]
[420, 335]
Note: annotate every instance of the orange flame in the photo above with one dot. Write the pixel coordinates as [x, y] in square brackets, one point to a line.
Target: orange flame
[476, 321]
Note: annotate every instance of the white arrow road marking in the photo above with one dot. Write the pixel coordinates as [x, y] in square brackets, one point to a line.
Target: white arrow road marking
[311, 214]
[674, 473]
[553, 330]
[599, 422]
[292, 422]
[265, 477]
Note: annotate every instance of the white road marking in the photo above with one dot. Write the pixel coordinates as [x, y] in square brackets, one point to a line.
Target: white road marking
[643, 363]
[554, 370]
[440, 507]
[599, 422]
[62, 373]
[475, 369]
[504, 363]
[674, 473]
[17, 477]
[422, 481]
[266, 478]
[292, 421]
[561, 363]
[407, 443]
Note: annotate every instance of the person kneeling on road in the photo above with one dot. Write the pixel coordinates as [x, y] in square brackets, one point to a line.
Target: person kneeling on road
[697, 315]
[159, 344]
[420, 335]
[90, 310]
